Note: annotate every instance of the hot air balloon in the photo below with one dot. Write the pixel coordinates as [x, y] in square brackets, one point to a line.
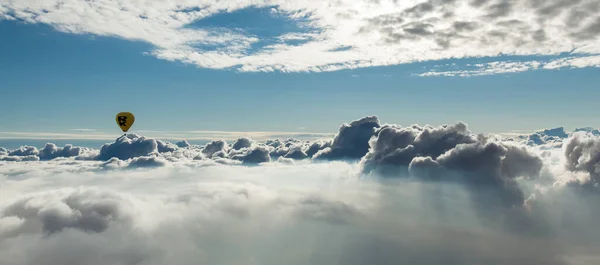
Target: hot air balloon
[125, 120]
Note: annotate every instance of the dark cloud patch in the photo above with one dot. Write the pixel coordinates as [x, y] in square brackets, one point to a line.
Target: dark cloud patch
[554, 8]
[418, 28]
[220, 154]
[478, 3]
[547, 136]
[213, 147]
[556, 132]
[147, 161]
[296, 153]
[279, 148]
[385, 20]
[259, 154]
[576, 17]
[590, 31]
[443, 43]
[395, 146]
[113, 164]
[488, 171]
[164, 147]
[3, 151]
[273, 143]
[86, 210]
[183, 144]
[501, 8]
[380, 23]
[419, 10]
[451, 154]
[24, 151]
[590, 130]
[520, 162]
[279, 151]
[480, 166]
[387, 23]
[319, 209]
[242, 143]
[462, 26]
[448, 14]
[539, 35]
[352, 140]
[316, 146]
[582, 152]
[510, 23]
[28, 158]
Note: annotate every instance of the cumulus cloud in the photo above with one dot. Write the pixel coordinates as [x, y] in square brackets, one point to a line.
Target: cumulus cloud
[253, 155]
[24, 151]
[589, 130]
[51, 151]
[214, 147]
[426, 194]
[451, 155]
[583, 154]
[242, 143]
[395, 146]
[319, 213]
[128, 146]
[147, 161]
[316, 146]
[352, 140]
[547, 136]
[183, 143]
[336, 35]
[20, 158]
[296, 153]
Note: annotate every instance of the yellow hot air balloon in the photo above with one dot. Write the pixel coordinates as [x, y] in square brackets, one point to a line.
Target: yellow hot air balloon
[125, 120]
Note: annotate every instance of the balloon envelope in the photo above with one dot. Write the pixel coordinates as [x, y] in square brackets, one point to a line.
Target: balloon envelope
[125, 120]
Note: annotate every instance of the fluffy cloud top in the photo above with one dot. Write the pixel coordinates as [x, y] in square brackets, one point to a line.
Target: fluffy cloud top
[335, 35]
[352, 140]
[583, 154]
[396, 146]
[429, 195]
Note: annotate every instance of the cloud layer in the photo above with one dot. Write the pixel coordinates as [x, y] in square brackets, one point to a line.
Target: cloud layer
[392, 194]
[335, 35]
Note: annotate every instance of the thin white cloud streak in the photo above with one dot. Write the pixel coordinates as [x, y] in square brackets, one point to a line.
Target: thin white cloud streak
[175, 135]
[378, 32]
[84, 130]
[509, 67]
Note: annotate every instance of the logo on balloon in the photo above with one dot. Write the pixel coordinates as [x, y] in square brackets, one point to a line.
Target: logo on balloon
[122, 120]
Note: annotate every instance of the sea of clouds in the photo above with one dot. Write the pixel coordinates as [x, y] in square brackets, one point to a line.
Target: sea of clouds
[375, 194]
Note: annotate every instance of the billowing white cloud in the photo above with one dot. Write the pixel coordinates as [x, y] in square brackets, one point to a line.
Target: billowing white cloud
[425, 194]
[338, 34]
[55, 213]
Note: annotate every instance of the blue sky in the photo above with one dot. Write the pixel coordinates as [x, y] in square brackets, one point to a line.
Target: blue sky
[55, 80]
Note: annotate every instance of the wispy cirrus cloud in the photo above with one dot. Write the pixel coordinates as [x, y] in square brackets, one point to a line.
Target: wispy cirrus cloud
[337, 34]
[189, 135]
[84, 130]
[507, 67]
